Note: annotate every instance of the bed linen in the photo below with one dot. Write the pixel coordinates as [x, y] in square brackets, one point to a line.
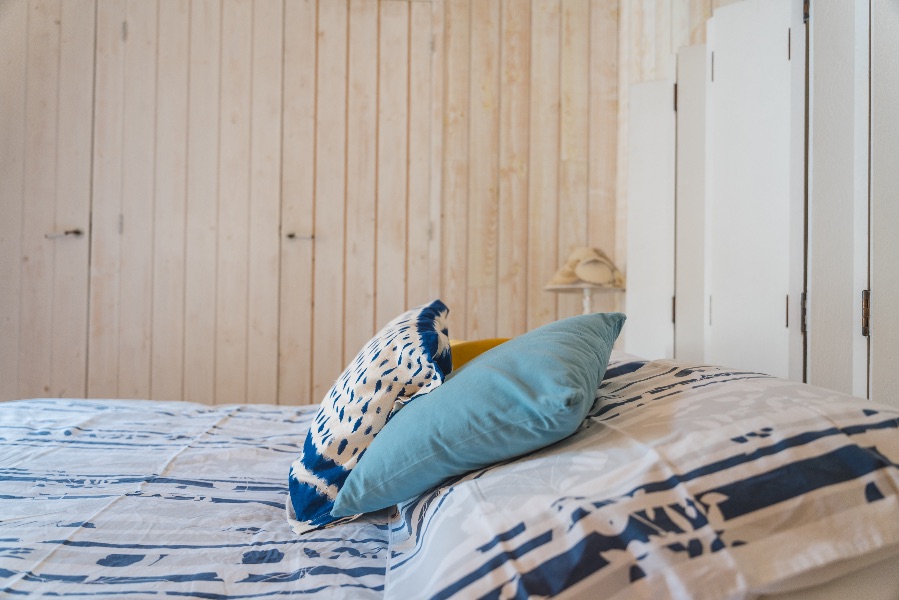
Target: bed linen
[133, 499]
[685, 481]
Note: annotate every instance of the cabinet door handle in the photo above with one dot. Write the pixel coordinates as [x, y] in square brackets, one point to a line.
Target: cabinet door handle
[61, 234]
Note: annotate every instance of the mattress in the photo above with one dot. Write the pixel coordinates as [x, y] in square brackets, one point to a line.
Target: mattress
[685, 481]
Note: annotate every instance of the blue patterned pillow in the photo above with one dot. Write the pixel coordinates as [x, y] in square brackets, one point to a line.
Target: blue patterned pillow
[408, 357]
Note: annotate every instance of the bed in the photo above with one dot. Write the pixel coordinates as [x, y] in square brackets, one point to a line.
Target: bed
[682, 481]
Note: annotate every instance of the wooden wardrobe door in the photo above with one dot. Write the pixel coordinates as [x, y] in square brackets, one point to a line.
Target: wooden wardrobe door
[45, 122]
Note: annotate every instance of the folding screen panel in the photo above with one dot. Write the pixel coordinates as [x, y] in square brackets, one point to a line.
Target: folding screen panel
[838, 197]
[884, 202]
[650, 235]
[691, 284]
[749, 186]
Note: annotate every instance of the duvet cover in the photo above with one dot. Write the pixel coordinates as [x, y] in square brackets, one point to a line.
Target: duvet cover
[684, 481]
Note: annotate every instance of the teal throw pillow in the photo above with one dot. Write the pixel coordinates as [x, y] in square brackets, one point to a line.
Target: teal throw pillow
[527, 393]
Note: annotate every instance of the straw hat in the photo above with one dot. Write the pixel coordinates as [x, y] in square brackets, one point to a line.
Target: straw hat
[588, 265]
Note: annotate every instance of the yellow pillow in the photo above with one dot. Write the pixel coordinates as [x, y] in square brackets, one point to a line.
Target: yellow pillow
[463, 351]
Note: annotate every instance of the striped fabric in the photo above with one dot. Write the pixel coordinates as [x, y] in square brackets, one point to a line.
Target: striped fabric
[138, 499]
[688, 482]
[408, 357]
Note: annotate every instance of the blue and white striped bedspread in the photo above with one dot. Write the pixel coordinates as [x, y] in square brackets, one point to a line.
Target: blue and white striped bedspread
[689, 482]
[125, 499]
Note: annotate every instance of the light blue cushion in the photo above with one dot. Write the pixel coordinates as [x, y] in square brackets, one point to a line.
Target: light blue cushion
[408, 357]
[520, 396]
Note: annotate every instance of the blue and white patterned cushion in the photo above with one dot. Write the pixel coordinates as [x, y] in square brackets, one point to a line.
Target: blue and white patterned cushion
[408, 357]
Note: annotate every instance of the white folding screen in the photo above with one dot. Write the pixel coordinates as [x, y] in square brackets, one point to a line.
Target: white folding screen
[748, 186]
[884, 201]
[838, 196]
[650, 237]
[691, 316]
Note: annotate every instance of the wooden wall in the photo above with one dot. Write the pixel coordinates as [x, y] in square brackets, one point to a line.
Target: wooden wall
[262, 184]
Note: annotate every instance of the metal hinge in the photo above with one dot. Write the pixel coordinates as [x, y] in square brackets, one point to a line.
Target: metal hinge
[866, 313]
[803, 312]
[806, 12]
[789, 43]
[675, 97]
[712, 67]
[673, 307]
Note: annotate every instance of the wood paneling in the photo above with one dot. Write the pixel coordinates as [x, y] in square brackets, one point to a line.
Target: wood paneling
[170, 202]
[137, 101]
[46, 107]
[272, 181]
[456, 163]
[514, 150]
[603, 138]
[392, 217]
[232, 265]
[41, 121]
[483, 173]
[298, 203]
[201, 216]
[264, 203]
[106, 266]
[330, 194]
[422, 260]
[362, 161]
[543, 170]
[13, 74]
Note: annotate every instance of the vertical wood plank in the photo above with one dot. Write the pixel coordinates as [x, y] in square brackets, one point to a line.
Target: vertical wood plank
[41, 112]
[136, 224]
[106, 204]
[202, 201]
[234, 203]
[436, 154]
[393, 110]
[361, 195]
[265, 203]
[167, 364]
[651, 30]
[418, 261]
[624, 84]
[543, 259]
[483, 182]
[68, 376]
[13, 72]
[688, 19]
[454, 221]
[297, 203]
[511, 296]
[573, 138]
[330, 195]
[603, 137]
